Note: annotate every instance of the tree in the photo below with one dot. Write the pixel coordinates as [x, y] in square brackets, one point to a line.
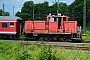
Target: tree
[53, 8]
[63, 7]
[18, 14]
[27, 10]
[4, 13]
[0, 12]
[40, 10]
[76, 11]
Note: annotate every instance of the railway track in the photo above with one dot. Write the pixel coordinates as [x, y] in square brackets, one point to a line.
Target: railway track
[84, 48]
[66, 45]
[87, 41]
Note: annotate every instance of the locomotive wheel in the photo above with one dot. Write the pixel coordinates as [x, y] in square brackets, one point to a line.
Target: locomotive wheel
[63, 39]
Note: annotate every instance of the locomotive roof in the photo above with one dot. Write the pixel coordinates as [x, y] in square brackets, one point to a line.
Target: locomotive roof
[56, 16]
[10, 18]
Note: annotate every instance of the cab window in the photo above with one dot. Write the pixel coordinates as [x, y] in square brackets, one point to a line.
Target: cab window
[4, 25]
[51, 19]
[11, 24]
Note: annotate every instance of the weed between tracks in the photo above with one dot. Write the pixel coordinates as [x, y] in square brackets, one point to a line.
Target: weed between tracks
[87, 37]
[88, 45]
[14, 51]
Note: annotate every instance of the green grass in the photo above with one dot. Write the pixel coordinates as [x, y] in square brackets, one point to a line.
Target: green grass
[87, 37]
[87, 32]
[15, 51]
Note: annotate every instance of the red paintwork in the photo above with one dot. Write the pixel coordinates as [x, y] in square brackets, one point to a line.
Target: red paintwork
[28, 26]
[8, 29]
[39, 25]
[35, 26]
[51, 27]
[41, 31]
[70, 26]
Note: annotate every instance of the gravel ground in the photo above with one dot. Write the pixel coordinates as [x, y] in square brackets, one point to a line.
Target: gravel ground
[46, 43]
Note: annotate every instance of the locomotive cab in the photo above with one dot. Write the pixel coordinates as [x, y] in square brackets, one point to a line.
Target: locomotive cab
[59, 20]
[56, 19]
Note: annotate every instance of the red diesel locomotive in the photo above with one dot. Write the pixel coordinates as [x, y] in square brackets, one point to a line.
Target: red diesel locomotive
[54, 28]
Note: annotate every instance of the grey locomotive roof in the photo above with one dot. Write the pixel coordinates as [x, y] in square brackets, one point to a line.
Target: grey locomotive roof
[10, 18]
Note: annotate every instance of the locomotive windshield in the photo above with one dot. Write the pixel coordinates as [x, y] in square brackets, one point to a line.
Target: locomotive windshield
[52, 19]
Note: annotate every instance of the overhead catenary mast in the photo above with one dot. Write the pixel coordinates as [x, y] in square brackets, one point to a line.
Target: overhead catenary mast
[2, 9]
[13, 10]
[84, 15]
[57, 6]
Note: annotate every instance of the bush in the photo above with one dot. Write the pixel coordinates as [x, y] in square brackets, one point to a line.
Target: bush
[24, 56]
[14, 51]
[46, 54]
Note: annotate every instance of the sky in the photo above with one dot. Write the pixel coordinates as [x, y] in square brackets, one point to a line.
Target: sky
[8, 4]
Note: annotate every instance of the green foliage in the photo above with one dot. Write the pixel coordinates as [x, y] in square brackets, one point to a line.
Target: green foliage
[40, 10]
[87, 33]
[26, 11]
[0, 12]
[86, 37]
[72, 55]
[14, 51]
[42, 40]
[4, 13]
[24, 56]
[76, 11]
[8, 50]
[3, 47]
[32, 47]
[22, 37]
[46, 54]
